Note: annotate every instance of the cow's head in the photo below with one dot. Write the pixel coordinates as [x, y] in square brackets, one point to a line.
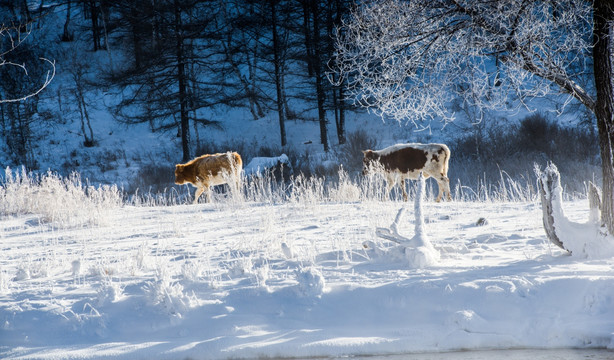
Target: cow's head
[180, 177]
[369, 161]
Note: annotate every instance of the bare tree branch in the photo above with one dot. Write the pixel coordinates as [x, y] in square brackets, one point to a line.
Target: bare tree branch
[15, 39]
[50, 75]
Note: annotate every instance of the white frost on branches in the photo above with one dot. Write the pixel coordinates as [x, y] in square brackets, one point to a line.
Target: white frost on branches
[14, 38]
[409, 59]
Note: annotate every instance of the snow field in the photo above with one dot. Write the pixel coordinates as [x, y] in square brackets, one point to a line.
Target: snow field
[284, 271]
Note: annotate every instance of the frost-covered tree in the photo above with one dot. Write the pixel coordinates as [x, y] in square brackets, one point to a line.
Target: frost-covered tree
[409, 59]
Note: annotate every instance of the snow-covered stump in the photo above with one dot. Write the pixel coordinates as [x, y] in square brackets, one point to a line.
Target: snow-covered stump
[594, 203]
[418, 251]
[548, 183]
[588, 240]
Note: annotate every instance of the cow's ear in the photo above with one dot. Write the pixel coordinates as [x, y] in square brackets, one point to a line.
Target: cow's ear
[367, 153]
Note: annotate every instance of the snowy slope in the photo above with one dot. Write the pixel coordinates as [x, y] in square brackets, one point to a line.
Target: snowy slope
[242, 279]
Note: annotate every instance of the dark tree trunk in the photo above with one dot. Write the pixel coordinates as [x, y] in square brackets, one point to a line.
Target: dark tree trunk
[137, 42]
[307, 35]
[278, 74]
[317, 69]
[105, 18]
[95, 29]
[185, 120]
[341, 100]
[341, 124]
[155, 25]
[603, 17]
[86, 125]
[3, 120]
[88, 140]
[26, 11]
[67, 36]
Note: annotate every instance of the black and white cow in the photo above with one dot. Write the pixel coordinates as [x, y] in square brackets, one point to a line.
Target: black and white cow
[406, 161]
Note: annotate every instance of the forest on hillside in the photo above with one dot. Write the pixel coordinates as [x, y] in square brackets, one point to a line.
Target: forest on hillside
[179, 65]
[172, 59]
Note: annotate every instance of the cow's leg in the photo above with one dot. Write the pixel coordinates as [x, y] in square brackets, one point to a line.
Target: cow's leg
[237, 184]
[199, 191]
[403, 186]
[208, 193]
[391, 181]
[444, 187]
[447, 187]
[440, 186]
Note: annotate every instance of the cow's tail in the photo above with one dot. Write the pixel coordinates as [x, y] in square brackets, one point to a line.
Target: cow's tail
[236, 169]
[236, 163]
[446, 160]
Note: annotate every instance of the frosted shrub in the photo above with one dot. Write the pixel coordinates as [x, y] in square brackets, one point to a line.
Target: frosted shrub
[109, 292]
[15, 193]
[64, 202]
[513, 190]
[258, 189]
[307, 190]
[506, 189]
[346, 190]
[261, 275]
[168, 296]
[191, 271]
[168, 197]
[372, 186]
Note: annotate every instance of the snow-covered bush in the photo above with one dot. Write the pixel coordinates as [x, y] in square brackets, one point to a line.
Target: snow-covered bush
[168, 296]
[345, 190]
[307, 190]
[373, 185]
[62, 201]
[109, 292]
[264, 189]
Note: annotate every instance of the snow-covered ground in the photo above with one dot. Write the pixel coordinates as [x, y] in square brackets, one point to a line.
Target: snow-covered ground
[301, 277]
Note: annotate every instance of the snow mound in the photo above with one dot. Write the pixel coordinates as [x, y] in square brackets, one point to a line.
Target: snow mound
[310, 282]
[421, 256]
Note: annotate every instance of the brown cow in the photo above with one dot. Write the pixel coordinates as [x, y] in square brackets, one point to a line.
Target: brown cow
[406, 161]
[210, 170]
